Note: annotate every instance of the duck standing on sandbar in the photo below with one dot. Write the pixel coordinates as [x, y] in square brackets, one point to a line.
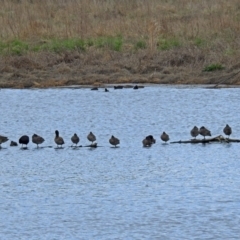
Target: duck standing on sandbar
[58, 140]
[165, 137]
[24, 140]
[75, 139]
[37, 139]
[3, 139]
[204, 132]
[227, 130]
[91, 137]
[114, 141]
[194, 132]
[148, 141]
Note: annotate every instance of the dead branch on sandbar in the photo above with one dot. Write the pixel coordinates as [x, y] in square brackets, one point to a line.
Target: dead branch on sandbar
[93, 145]
[219, 138]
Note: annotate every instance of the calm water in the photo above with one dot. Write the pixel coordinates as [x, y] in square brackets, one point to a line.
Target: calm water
[170, 191]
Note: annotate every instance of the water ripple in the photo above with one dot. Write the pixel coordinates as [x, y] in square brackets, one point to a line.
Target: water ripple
[168, 191]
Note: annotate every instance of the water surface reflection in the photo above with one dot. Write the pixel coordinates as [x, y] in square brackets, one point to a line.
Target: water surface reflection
[168, 191]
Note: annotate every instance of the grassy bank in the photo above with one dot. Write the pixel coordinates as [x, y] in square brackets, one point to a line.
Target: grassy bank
[160, 24]
[92, 41]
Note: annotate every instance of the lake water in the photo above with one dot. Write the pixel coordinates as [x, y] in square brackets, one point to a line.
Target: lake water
[168, 191]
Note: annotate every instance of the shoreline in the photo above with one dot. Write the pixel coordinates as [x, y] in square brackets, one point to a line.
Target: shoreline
[99, 69]
[111, 42]
[143, 85]
[131, 86]
[20, 80]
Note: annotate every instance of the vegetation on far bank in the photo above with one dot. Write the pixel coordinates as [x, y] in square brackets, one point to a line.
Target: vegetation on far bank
[138, 36]
[33, 25]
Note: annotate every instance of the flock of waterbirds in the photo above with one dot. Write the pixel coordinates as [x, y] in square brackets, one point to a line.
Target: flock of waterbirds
[36, 139]
[146, 142]
[119, 87]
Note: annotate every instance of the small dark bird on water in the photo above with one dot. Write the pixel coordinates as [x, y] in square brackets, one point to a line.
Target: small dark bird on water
[194, 132]
[58, 140]
[135, 87]
[37, 139]
[114, 141]
[164, 137]
[118, 87]
[13, 144]
[94, 89]
[106, 90]
[227, 130]
[24, 140]
[204, 132]
[75, 139]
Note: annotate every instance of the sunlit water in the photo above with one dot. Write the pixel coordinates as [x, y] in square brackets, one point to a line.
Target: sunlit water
[168, 191]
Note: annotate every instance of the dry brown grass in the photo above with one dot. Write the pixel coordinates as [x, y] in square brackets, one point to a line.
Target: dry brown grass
[135, 18]
[203, 32]
[34, 19]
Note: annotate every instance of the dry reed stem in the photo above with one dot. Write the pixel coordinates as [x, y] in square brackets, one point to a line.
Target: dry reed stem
[27, 19]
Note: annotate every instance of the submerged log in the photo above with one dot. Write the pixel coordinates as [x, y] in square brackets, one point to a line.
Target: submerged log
[93, 145]
[219, 138]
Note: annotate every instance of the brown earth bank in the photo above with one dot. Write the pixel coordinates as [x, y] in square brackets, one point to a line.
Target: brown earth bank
[97, 68]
